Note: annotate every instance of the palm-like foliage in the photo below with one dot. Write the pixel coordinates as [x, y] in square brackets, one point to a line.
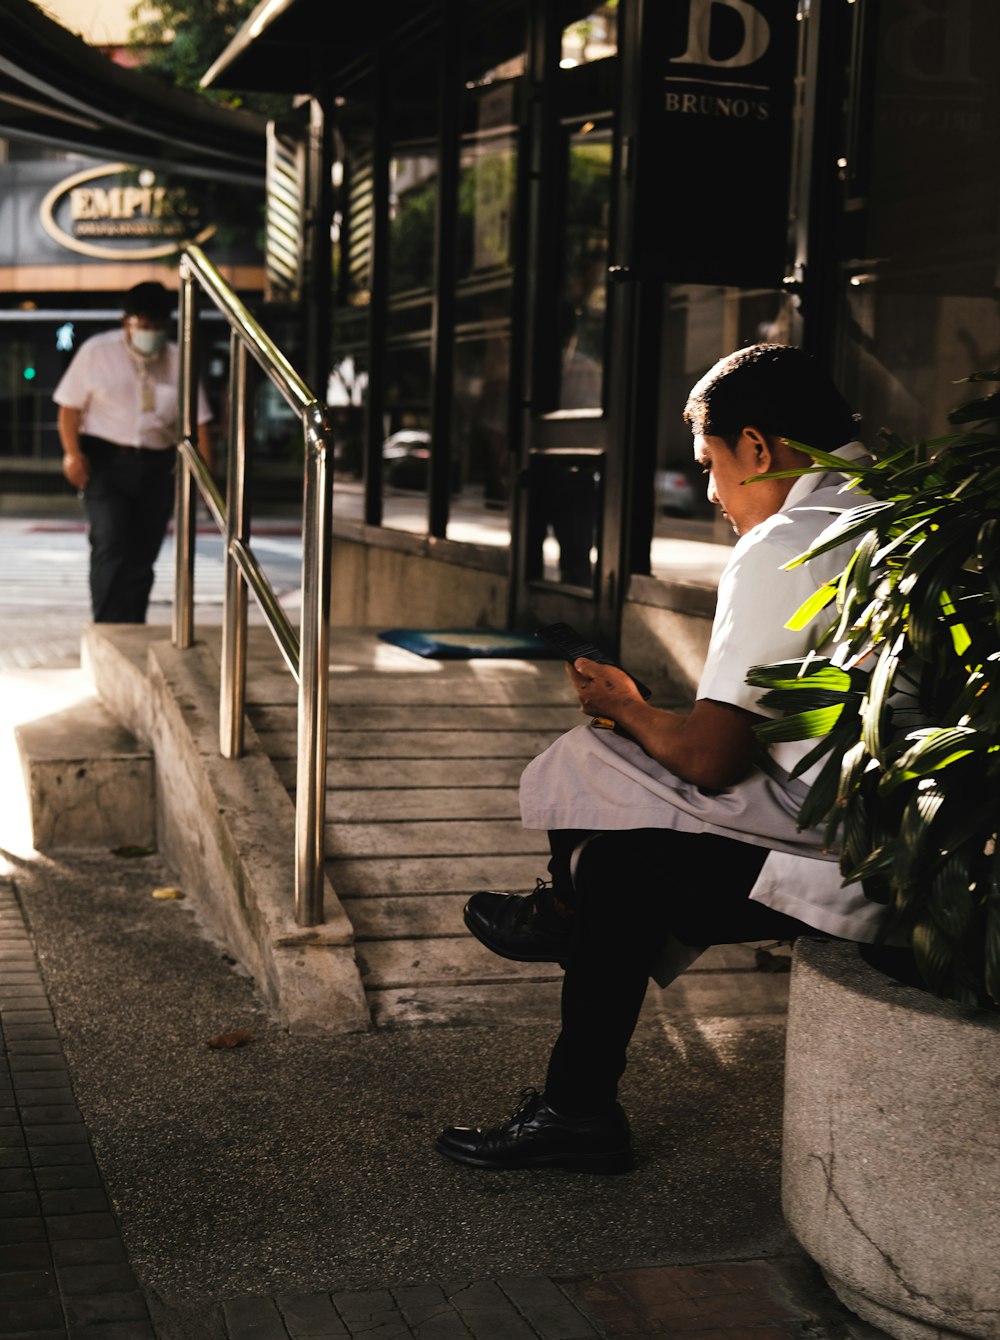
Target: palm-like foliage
[905, 693]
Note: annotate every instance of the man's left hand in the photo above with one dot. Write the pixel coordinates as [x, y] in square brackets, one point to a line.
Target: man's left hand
[602, 689]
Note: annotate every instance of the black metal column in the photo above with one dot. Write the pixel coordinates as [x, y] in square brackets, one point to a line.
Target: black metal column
[379, 280]
[445, 235]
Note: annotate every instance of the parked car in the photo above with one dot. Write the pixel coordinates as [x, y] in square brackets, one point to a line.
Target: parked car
[675, 494]
[406, 458]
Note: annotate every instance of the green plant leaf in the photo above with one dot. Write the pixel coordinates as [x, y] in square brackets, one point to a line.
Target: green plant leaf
[988, 407]
[876, 706]
[815, 604]
[799, 725]
[934, 749]
[852, 524]
[805, 672]
[908, 773]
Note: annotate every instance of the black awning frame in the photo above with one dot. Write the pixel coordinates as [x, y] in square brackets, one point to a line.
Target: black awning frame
[57, 91]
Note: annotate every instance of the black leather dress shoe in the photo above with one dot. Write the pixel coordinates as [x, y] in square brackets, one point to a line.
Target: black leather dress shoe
[518, 928]
[535, 1136]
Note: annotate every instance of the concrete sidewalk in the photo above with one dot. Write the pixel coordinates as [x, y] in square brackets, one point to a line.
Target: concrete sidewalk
[154, 1185]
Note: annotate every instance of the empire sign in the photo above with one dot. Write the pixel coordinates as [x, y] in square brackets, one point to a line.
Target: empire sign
[117, 212]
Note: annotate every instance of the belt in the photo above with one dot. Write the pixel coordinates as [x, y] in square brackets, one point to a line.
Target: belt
[102, 443]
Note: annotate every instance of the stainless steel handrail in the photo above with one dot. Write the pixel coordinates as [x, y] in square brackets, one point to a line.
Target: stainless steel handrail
[307, 657]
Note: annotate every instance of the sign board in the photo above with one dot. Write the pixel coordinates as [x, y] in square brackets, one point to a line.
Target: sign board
[87, 212]
[117, 212]
[716, 137]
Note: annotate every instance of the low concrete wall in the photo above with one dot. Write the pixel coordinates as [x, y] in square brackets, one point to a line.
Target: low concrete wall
[384, 579]
[227, 826]
[891, 1156]
[88, 783]
[390, 580]
[665, 634]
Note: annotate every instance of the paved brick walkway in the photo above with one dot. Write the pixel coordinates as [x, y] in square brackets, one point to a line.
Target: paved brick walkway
[62, 1264]
[64, 1273]
[753, 1300]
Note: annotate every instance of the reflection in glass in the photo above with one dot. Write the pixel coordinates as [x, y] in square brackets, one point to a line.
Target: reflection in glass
[920, 307]
[564, 505]
[583, 293]
[412, 208]
[406, 437]
[484, 271]
[592, 37]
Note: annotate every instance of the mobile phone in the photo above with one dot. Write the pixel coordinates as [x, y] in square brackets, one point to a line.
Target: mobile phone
[571, 644]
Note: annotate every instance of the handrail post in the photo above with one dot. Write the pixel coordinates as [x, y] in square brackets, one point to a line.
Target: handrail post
[308, 654]
[314, 663]
[184, 510]
[233, 677]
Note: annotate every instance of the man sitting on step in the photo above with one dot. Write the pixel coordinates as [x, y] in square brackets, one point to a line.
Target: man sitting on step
[675, 831]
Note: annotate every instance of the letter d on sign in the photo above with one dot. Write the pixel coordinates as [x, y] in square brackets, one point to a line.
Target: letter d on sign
[756, 34]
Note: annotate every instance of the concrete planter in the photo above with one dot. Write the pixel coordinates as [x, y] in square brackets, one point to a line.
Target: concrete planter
[891, 1176]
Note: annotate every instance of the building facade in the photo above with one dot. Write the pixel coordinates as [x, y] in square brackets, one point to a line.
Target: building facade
[525, 227]
[104, 173]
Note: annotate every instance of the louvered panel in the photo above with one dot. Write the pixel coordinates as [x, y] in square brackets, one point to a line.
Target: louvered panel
[285, 218]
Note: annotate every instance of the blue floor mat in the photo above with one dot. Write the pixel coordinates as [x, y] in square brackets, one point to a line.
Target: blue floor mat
[463, 644]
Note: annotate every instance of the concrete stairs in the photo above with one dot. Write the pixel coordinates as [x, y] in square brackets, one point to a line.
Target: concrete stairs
[424, 759]
[423, 765]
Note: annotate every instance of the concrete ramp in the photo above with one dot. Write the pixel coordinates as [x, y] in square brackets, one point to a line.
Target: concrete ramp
[227, 827]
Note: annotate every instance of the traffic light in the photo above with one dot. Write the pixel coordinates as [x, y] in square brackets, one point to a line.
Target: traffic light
[29, 372]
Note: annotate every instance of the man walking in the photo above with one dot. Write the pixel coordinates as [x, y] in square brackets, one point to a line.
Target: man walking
[118, 425]
[680, 831]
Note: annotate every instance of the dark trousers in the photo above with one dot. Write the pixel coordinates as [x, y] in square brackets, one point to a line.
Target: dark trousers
[631, 891]
[128, 499]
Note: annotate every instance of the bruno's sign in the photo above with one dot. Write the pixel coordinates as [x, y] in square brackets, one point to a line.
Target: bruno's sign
[717, 102]
[117, 212]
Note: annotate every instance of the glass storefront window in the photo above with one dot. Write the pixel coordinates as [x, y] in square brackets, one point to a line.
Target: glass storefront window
[481, 493]
[922, 174]
[406, 437]
[701, 324]
[583, 293]
[487, 202]
[592, 37]
[412, 210]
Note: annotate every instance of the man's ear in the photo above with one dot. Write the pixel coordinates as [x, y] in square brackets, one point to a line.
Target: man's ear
[763, 452]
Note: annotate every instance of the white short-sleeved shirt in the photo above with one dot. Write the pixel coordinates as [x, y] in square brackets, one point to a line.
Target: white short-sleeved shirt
[125, 398]
[595, 779]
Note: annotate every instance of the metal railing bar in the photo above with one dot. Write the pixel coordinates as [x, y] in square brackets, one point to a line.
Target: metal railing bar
[214, 500]
[281, 629]
[184, 508]
[306, 656]
[233, 677]
[310, 794]
[298, 395]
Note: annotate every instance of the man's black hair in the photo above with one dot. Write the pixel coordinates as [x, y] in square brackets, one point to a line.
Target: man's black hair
[777, 388]
[149, 299]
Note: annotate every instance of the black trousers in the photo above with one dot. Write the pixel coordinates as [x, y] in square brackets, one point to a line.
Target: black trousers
[632, 890]
[128, 500]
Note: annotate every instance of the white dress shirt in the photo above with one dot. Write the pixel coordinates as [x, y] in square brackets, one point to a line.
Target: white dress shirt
[124, 397]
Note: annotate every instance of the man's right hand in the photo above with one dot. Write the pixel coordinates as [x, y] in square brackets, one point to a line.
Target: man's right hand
[76, 468]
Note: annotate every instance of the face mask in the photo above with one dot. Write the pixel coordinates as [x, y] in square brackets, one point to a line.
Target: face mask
[147, 341]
